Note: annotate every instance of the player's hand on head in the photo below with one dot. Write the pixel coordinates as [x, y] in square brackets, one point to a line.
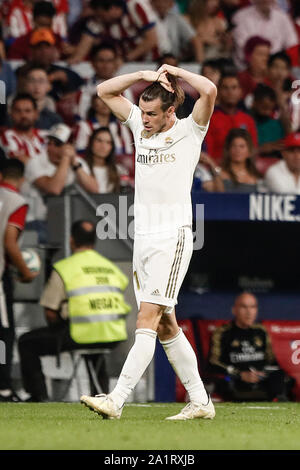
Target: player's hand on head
[168, 69]
[161, 77]
[163, 80]
[149, 75]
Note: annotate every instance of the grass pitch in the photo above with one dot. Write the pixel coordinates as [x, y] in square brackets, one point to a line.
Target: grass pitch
[71, 426]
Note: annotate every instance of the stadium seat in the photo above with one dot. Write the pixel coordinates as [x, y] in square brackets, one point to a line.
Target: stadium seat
[205, 330]
[285, 338]
[137, 89]
[79, 355]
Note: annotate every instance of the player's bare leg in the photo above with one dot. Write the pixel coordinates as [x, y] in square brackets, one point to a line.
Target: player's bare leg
[184, 362]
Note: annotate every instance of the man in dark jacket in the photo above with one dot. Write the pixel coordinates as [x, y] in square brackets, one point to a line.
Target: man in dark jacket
[242, 360]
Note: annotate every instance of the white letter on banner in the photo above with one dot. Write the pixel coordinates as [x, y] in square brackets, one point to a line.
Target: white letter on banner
[276, 205]
[289, 206]
[266, 207]
[256, 207]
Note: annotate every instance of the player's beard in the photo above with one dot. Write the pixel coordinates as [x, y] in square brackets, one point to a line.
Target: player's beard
[24, 125]
[162, 126]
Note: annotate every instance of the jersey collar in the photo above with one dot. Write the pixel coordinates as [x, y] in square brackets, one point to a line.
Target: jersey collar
[8, 186]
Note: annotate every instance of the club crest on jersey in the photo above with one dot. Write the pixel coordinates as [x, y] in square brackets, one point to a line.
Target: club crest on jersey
[169, 140]
[258, 342]
[144, 134]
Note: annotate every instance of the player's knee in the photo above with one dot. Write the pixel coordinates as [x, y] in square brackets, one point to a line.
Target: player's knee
[149, 316]
[168, 327]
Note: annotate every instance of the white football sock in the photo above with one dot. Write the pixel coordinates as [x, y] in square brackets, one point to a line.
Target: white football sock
[184, 362]
[138, 359]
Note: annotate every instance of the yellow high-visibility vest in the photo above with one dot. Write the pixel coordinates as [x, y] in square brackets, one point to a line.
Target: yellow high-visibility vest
[94, 287]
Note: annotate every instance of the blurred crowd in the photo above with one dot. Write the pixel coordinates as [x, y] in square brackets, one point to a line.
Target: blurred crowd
[53, 121]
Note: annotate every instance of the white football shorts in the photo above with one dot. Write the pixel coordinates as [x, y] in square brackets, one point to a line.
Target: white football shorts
[160, 263]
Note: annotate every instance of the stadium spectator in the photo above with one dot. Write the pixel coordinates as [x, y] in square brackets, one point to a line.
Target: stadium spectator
[270, 130]
[280, 78]
[175, 33]
[21, 20]
[43, 14]
[257, 53]
[239, 173]
[80, 8]
[13, 215]
[284, 176]
[230, 7]
[191, 94]
[182, 5]
[100, 156]
[207, 19]
[8, 77]
[66, 329]
[105, 62]
[38, 85]
[44, 53]
[2, 45]
[272, 24]
[212, 69]
[111, 21]
[99, 115]
[226, 116]
[279, 70]
[207, 176]
[23, 140]
[59, 168]
[242, 360]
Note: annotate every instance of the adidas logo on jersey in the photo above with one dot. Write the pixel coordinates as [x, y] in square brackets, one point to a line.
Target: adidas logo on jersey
[155, 292]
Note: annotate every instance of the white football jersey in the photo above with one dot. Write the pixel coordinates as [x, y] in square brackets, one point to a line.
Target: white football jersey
[164, 168]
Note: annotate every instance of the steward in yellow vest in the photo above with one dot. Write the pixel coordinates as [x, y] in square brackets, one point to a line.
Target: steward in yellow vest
[94, 287]
[84, 308]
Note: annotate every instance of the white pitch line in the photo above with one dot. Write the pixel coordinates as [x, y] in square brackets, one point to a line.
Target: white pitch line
[265, 407]
[254, 407]
[161, 405]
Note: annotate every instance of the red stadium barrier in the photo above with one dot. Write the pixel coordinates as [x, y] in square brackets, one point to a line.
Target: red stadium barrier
[206, 329]
[285, 338]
